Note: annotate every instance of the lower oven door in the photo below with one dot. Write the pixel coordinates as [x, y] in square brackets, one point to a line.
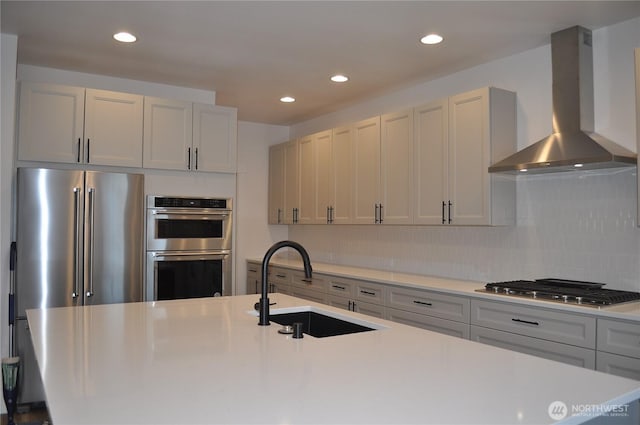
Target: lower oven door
[188, 274]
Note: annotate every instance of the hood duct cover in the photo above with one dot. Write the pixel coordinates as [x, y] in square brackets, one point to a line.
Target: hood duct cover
[574, 145]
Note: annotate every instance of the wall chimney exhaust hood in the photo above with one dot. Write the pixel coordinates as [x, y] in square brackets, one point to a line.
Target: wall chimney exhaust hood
[573, 144]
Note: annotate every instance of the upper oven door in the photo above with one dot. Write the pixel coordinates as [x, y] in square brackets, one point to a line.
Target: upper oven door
[188, 229]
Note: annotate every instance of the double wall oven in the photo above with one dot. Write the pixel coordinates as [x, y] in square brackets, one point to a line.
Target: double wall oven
[188, 247]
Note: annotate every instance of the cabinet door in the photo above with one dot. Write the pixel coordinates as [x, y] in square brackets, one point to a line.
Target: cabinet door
[291, 183]
[51, 123]
[215, 131]
[564, 353]
[167, 134]
[396, 167]
[307, 179]
[366, 171]
[430, 163]
[341, 181]
[113, 128]
[628, 367]
[276, 184]
[323, 166]
[469, 154]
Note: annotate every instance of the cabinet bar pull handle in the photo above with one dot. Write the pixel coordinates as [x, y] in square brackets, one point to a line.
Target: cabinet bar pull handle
[281, 276]
[526, 321]
[376, 214]
[381, 210]
[78, 150]
[88, 150]
[279, 216]
[342, 288]
[196, 159]
[328, 216]
[92, 208]
[450, 204]
[309, 281]
[444, 205]
[76, 240]
[331, 215]
[422, 303]
[349, 308]
[362, 291]
[188, 158]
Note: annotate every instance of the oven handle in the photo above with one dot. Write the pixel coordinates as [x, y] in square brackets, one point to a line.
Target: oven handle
[218, 255]
[166, 214]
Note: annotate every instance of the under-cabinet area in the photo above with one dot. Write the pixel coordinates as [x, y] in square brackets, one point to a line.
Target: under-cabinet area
[582, 336]
[76, 125]
[425, 165]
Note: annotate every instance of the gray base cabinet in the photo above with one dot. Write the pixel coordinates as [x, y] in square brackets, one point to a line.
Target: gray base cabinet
[564, 353]
[449, 327]
[618, 348]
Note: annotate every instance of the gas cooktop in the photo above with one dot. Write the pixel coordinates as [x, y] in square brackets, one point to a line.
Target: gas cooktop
[561, 290]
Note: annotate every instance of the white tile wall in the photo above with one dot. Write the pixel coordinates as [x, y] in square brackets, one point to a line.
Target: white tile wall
[579, 225]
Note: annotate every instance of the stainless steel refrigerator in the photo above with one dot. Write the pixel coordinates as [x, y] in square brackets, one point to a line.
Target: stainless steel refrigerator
[79, 242]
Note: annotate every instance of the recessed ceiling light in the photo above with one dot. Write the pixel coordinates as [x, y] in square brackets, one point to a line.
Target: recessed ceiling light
[287, 99]
[339, 78]
[125, 37]
[431, 39]
[578, 165]
[523, 170]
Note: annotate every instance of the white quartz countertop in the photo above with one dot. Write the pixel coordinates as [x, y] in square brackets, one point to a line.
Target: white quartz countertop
[625, 311]
[206, 361]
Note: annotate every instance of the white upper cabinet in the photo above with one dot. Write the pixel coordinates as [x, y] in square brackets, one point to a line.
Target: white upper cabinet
[431, 126]
[182, 135]
[276, 184]
[215, 138]
[307, 181]
[74, 125]
[366, 171]
[323, 167]
[456, 140]
[396, 168]
[168, 131]
[113, 128]
[341, 179]
[291, 213]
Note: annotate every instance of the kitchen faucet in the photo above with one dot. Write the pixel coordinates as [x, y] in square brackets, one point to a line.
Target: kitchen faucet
[264, 300]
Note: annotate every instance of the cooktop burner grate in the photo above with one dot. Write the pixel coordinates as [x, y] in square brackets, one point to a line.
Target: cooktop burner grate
[566, 291]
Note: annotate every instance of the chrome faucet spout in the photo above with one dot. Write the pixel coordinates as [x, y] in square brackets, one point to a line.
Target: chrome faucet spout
[264, 299]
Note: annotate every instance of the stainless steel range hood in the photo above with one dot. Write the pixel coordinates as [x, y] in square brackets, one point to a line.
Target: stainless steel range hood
[573, 144]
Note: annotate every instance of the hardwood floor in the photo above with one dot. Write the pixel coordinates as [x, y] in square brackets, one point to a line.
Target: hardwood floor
[36, 416]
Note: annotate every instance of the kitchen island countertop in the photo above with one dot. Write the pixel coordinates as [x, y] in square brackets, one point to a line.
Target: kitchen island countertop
[206, 360]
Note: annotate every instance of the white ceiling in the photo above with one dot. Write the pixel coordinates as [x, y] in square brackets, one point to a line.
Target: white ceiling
[253, 53]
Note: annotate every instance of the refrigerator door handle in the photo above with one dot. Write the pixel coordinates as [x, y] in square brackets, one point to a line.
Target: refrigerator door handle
[91, 192]
[76, 242]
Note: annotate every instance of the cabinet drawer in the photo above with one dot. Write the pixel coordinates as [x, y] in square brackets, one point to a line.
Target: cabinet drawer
[307, 294]
[369, 292]
[614, 364]
[535, 322]
[254, 268]
[564, 353]
[279, 275]
[431, 323]
[316, 283]
[341, 287]
[448, 307]
[619, 337]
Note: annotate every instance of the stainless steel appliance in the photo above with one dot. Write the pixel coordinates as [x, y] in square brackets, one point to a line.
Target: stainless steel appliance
[79, 242]
[188, 247]
[562, 290]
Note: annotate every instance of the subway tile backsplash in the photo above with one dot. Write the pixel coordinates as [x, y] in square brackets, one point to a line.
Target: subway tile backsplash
[576, 225]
